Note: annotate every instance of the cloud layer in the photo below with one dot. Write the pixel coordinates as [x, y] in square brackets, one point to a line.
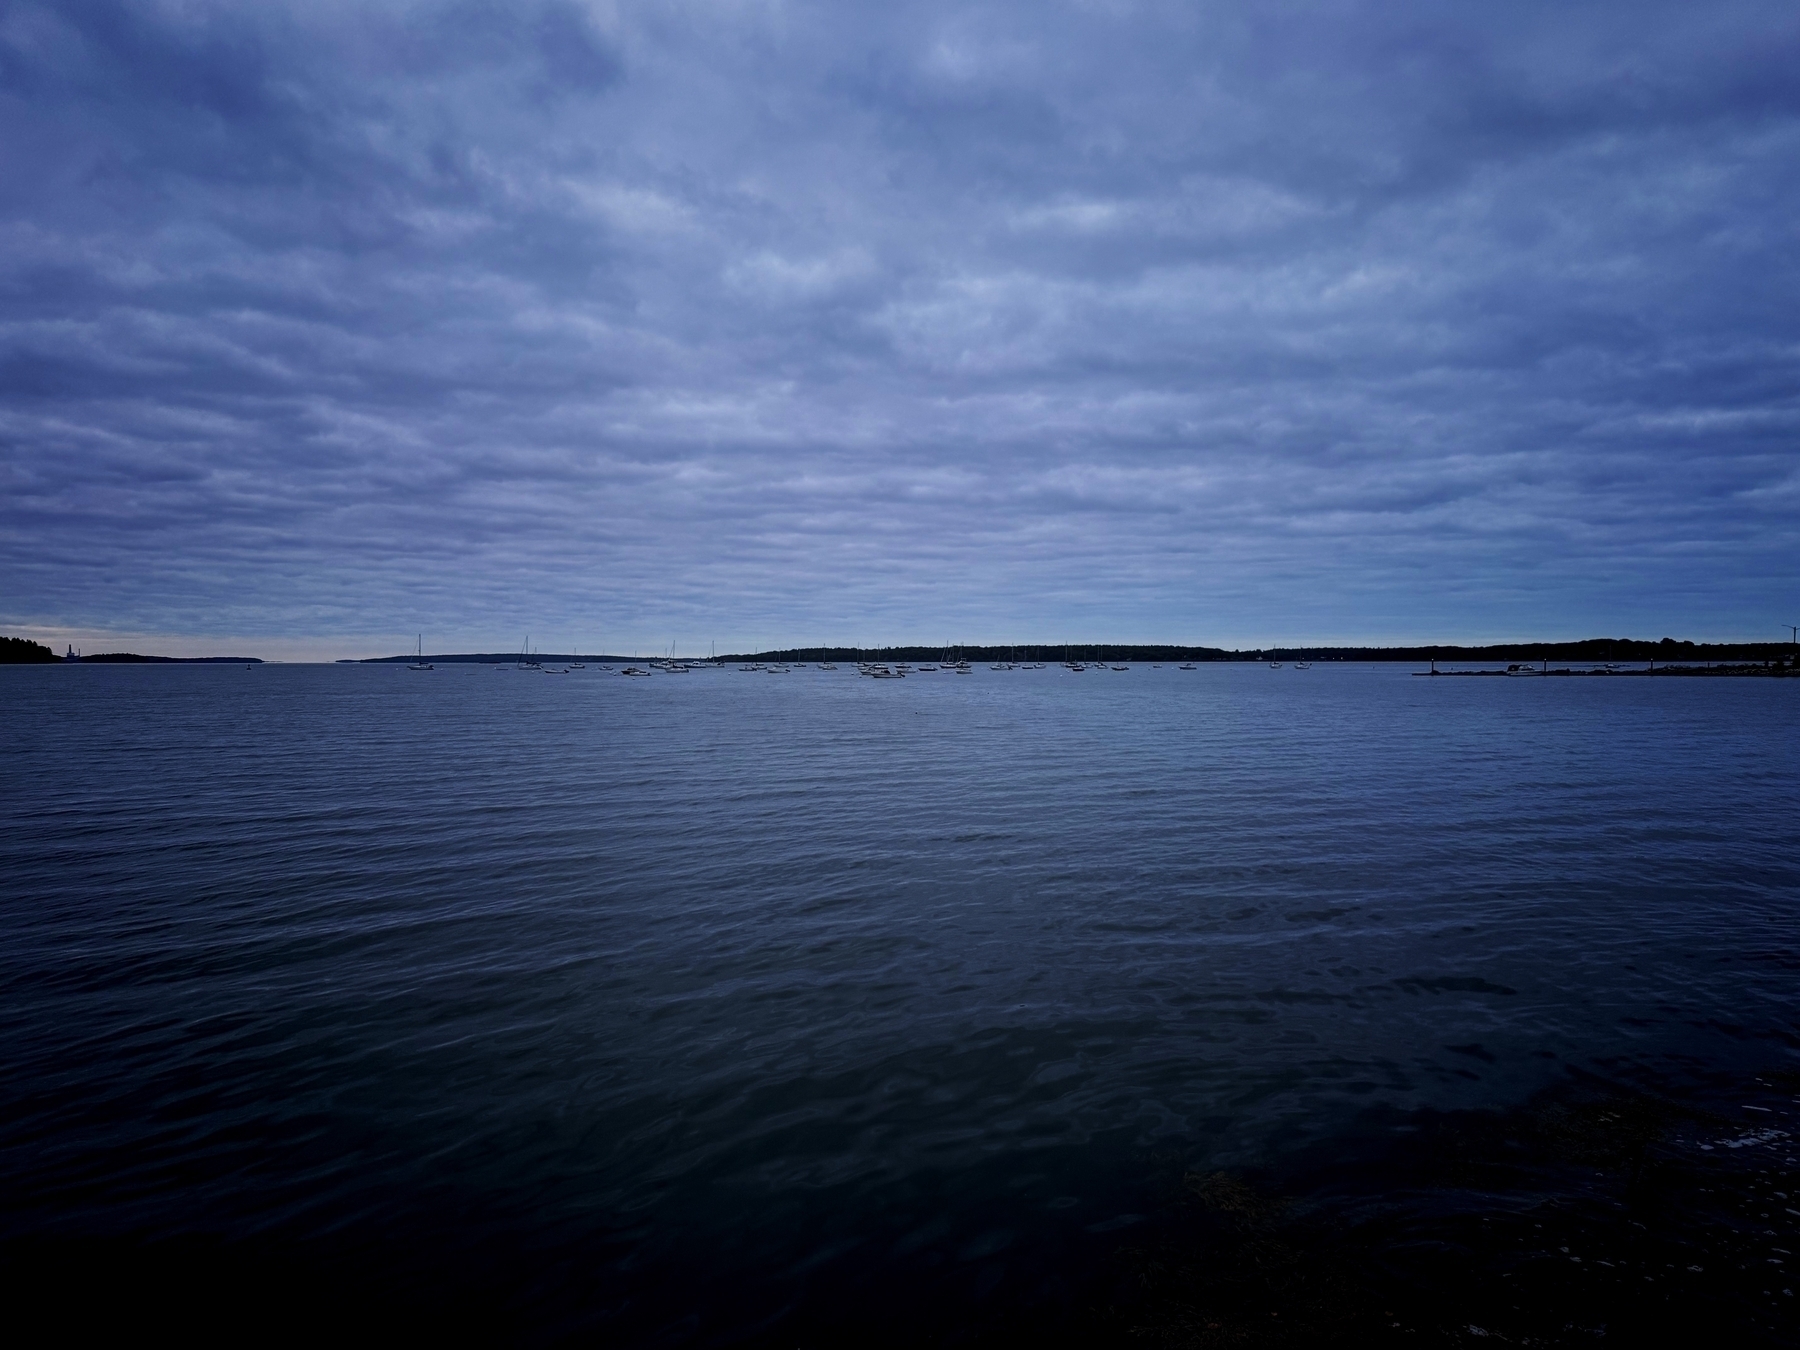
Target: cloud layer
[779, 323]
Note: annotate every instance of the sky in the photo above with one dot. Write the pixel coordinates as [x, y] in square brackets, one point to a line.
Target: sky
[765, 324]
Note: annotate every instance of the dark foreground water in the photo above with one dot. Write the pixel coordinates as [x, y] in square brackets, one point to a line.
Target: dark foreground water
[750, 1009]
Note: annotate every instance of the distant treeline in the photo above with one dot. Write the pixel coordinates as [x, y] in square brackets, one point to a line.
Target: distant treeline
[23, 652]
[132, 658]
[1589, 649]
[20, 652]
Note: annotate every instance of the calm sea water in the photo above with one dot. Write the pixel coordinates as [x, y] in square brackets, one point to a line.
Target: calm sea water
[673, 1008]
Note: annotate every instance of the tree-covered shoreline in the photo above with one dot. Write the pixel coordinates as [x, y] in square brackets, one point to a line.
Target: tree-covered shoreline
[23, 652]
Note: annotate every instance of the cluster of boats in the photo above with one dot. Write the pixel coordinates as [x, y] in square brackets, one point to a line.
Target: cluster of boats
[899, 670]
[668, 665]
[779, 667]
[880, 670]
[635, 672]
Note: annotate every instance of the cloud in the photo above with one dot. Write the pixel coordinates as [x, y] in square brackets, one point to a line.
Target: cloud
[782, 322]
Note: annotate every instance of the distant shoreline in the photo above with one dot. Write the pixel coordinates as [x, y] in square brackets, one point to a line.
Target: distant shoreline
[133, 659]
[1590, 651]
[1587, 651]
[22, 652]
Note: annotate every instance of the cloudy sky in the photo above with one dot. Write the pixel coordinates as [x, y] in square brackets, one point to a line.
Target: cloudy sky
[770, 323]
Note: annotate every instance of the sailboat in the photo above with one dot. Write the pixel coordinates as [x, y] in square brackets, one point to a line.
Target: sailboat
[420, 663]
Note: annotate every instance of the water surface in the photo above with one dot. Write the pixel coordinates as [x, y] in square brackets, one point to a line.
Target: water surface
[669, 1008]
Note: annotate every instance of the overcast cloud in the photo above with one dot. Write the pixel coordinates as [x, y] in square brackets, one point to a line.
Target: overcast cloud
[776, 322]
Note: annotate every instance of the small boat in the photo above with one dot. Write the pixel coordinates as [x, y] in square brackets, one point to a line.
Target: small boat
[1274, 665]
[419, 663]
[1188, 666]
[1121, 668]
[1303, 665]
[633, 670]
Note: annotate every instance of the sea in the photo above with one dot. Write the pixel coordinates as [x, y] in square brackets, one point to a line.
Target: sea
[744, 1008]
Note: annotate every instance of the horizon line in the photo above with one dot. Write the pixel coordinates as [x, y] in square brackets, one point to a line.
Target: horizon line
[1501, 650]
